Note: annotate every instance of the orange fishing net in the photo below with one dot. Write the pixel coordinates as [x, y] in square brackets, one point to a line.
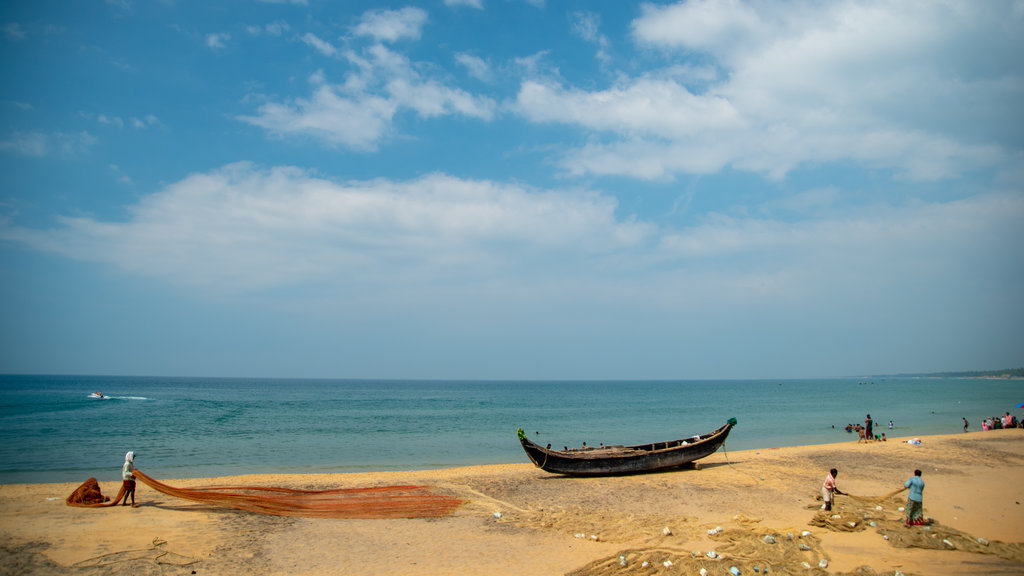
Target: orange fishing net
[375, 502]
[88, 494]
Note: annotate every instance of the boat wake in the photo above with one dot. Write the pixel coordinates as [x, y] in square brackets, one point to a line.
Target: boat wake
[96, 396]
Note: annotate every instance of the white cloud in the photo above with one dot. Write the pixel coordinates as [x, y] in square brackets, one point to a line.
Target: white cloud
[14, 32]
[392, 25]
[110, 120]
[145, 122]
[40, 144]
[475, 65]
[478, 4]
[357, 123]
[121, 176]
[244, 229]
[250, 228]
[358, 113]
[26, 143]
[647, 159]
[535, 64]
[927, 91]
[216, 41]
[276, 28]
[587, 25]
[321, 46]
[647, 107]
[716, 27]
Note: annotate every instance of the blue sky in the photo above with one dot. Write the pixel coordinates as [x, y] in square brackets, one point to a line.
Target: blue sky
[511, 188]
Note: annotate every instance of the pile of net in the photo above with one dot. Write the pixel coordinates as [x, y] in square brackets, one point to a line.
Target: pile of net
[367, 503]
[89, 495]
[938, 536]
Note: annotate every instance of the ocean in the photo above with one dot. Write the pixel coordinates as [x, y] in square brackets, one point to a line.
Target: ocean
[51, 431]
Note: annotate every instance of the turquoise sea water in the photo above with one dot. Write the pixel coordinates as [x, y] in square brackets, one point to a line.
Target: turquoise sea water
[51, 431]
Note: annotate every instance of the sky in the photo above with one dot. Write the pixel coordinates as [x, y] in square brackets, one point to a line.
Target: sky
[511, 189]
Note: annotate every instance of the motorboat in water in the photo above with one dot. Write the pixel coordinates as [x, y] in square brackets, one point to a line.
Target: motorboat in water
[97, 395]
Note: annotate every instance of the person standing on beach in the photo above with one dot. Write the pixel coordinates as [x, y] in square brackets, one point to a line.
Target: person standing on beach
[915, 499]
[829, 490]
[128, 478]
[868, 423]
[965, 424]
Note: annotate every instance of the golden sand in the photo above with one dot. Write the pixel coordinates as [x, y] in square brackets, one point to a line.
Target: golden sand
[751, 508]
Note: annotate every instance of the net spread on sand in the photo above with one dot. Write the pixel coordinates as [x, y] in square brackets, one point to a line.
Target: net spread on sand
[886, 516]
[753, 548]
[366, 503]
[748, 550]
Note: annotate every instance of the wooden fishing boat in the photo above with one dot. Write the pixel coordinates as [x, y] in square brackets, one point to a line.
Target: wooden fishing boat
[617, 460]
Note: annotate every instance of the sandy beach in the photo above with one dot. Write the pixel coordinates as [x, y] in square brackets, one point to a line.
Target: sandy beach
[754, 509]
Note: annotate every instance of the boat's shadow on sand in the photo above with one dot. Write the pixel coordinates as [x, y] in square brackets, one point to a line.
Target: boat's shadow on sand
[686, 469]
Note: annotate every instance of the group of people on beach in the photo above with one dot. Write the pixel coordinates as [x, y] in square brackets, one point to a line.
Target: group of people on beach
[915, 498]
[998, 423]
[866, 433]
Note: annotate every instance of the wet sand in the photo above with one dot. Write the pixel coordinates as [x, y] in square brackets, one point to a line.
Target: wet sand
[517, 519]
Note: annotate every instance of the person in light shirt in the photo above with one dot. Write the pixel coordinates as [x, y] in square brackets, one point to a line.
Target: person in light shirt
[829, 490]
[128, 478]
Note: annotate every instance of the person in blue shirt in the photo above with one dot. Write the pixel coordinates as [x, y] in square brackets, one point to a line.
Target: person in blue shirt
[915, 499]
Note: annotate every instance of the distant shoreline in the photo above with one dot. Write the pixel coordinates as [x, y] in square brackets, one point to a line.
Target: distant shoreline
[1007, 374]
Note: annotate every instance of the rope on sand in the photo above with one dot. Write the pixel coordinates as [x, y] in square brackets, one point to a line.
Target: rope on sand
[876, 498]
[482, 496]
[726, 453]
[111, 558]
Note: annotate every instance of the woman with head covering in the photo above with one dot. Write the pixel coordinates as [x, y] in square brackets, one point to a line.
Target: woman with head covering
[128, 478]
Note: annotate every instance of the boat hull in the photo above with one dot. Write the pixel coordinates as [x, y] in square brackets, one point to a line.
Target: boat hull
[620, 460]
